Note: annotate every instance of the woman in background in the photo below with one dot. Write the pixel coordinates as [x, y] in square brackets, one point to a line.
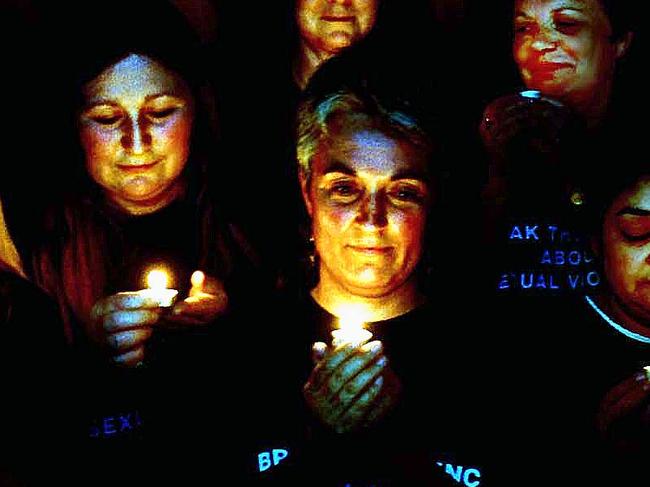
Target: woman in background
[570, 51]
[326, 28]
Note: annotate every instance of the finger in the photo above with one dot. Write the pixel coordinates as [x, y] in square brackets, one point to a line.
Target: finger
[125, 320]
[321, 372]
[214, 286]
[123, 301]
[381, 406]
[349, 394]
[203, 284]
[359, 383]
[345, 375]
[328, 410]
[205, 307]
[197, 279]
[356, 416]
[324, 369]
[345, 350]
[132, 358]
[625, 404]
[182, 320]
[126, 340]
[623, 388]
[318, 350]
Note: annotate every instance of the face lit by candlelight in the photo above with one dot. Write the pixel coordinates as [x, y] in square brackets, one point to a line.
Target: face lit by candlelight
[564, 48]
[135, 130]
[328, 26]
[368, 197]
[626, 251]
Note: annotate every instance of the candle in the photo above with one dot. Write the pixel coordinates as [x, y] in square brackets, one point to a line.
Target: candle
[157, 282]
[351, 328]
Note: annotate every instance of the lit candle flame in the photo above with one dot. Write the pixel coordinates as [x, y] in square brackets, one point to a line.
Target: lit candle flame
[157, 279]
[351, 325]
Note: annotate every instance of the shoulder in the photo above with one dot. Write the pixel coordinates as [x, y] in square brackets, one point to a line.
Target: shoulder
[26, 312]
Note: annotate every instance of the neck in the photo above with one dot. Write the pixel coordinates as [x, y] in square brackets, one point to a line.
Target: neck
[307, 63]
[622, 315]
[593, 107]
[338, 300]
[152, 204]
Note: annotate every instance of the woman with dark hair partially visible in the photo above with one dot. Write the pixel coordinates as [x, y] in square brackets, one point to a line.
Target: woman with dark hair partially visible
[615, 209]
[574, 58]
[585, 355]
[570, 56]
[139, 198]
[136, 197]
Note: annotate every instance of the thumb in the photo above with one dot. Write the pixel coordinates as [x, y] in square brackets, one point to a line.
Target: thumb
[197, 280]
[318, 350]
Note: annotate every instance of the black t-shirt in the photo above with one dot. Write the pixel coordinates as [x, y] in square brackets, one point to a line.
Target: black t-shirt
[556, 360]
[186, 413]
[429, 438]
[34, 416]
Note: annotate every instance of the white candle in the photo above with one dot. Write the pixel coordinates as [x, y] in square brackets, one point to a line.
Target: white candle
[351, 330]
[157, 282]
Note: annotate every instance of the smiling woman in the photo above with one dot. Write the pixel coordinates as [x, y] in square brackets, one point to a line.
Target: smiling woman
[145, 142]
[326, 28]
[369, 173]
[135, 195]
[135, 129]
[568, 49]
[367, 187]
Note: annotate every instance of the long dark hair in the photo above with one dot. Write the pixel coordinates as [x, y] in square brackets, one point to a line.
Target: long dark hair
[110, 31]
[71, 262]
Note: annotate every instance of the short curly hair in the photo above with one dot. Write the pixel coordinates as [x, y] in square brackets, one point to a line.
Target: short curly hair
[317, 115]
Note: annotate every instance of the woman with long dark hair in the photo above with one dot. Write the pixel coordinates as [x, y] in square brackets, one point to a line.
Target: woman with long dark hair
[133, 194]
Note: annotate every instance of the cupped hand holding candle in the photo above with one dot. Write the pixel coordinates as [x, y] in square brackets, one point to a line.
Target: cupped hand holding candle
[156, 291]
[346, 389]
[206, 301]
[125, 320]
[623, 402]
[124, 323]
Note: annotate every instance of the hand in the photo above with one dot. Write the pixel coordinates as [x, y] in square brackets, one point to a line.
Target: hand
[125, 323]
[622, 400]
[348, 388]
[207, 299]
[513, 121]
